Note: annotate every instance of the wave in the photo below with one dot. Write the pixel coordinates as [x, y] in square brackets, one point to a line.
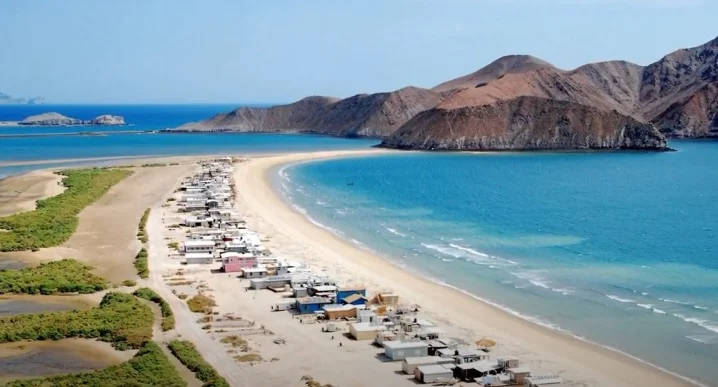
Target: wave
[646, 306]
[321, 203]
[705, 324]
[619, 299]
[480, 254]
[283, 174]
[316, 223]
[675, 302]
[393, 231]
[538, 280]
[704, 339]
[659, 311]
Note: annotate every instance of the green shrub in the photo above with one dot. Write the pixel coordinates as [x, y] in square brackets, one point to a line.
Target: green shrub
[55, 219]
[129, 283]
[143, 269]
[188, 355]
[120, 319]
[149, 367]
[201, 304]
[168, 319]
[65, 276]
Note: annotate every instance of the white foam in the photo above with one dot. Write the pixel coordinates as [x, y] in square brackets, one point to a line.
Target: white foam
[700, 307]
[644, 293]
[705, 324]
[655, 310]
[393, 231]
[674, 301]
[619, 299]
[646, 306]
[321, 203]
[284, 175]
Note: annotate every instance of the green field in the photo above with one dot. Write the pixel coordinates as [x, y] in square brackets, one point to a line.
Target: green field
[149, 367]
[55, 218]
[120, 319]
[65, 276]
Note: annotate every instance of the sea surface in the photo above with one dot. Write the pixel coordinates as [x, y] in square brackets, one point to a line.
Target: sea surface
[616, 248]
[17, 154]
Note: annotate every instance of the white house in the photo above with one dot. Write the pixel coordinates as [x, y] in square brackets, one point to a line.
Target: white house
[398, 350]
[432, 373]
[198, 246]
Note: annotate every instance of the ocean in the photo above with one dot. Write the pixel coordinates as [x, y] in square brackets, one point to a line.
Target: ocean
[18, 154]
[615, 248]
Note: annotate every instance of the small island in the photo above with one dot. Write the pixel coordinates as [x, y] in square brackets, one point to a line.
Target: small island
[57, 119]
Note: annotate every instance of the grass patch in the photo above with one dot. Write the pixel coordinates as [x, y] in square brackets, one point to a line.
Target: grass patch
[129, 283]
[65, 276]
[168, 318]
[142, 228]
[143, 269]
[188, 355]
[171, 199]
[249, 358]
[201, 304]
[154, 165]
[180, 283]
[173, 245]
[236, 342]
[182, 296]
[149, 367]
[55, 219]
[120, 319]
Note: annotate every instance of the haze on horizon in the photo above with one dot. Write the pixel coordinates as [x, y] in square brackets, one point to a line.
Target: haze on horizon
[223, 51]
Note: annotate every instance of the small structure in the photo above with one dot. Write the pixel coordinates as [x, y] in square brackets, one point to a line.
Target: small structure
[354, 299]
[199, 258]
[300, 292]
[198, 246]
[543, 380]
[309, 305]
[344, 292]
[389, 299]
[464, 355]
[508, 362]
[334, 312]
[432, 373]
[285, 305]
[435, 345]
[233, 262]
[398, 350]
[274, 281]
[475, 370]
[322, 291]
[365, 330]
[519, 374]
[409, 364]
[254, 272]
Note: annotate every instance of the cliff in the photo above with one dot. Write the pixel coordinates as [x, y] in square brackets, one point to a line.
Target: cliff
[527, 123]
[57, 119]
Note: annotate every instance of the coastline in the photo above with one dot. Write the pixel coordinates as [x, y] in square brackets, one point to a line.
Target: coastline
[463, 315]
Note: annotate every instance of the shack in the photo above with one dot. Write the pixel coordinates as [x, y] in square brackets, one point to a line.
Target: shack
[365, 330]
[519, 374]
[254, 272]
[432, 373]
[463, 355]
[198, 246]
[348, 291]
[398, 350]
[334, 312]
[409, 364]
[308, 305]
[198, 258]
[354, 299]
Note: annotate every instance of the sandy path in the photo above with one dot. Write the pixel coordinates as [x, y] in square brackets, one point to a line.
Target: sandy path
[106, 237]
[292, 236]
[19, 193]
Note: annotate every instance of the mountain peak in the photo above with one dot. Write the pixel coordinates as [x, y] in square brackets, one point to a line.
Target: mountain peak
[505, 65]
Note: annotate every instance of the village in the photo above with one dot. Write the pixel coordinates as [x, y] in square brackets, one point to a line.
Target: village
[211, 253]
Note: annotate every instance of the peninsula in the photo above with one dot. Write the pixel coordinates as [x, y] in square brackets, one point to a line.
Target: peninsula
[57, 119]
[517, 102]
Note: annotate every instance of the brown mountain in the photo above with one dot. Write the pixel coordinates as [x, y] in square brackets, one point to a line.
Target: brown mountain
[518, 102]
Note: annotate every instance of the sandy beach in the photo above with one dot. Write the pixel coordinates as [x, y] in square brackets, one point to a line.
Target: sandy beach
[292, 235]
[19, 193]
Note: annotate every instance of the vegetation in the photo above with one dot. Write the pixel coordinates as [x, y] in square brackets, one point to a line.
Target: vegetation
[65, 276]
[236, 341]
[168, 318]
[120, 319]
[142, 232]
[180, 283]
[249, 358]
[188, 355]
[201, 304]
[154, 165]
[173, 245]
[141, 264]
[182, 296]
[129, 283]
[149, 367]
[55, 219]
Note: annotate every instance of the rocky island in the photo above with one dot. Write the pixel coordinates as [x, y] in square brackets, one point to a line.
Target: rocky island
[57, 119]
[517, 102]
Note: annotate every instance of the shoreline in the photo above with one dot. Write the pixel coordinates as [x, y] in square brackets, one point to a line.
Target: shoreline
[537, 344]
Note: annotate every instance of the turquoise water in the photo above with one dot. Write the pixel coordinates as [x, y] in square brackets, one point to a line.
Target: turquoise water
[618, 248]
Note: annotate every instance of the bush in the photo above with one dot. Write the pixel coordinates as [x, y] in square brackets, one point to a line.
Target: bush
[168, 319]
[129, 283]
[187, 354]
[201, 304]
[143, 269]
[55, 219]
[120, 319]
[149, 367]
[65, 276]
[173, 245]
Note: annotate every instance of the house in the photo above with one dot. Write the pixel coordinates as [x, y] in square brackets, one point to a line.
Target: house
[463, 355]
[197, 221]
[198, 246]
[236, 247]
[409, 364]
[508, 362]
[519, 374]
[365, 330]
[475, 370]
[543, 380]
[367, 316]
[300, 291]
[432, 373]
[254, 272]
[435, 345]
[277, 281]
[345, 292]
[308, 305]
[389, 299]
[285, 305]
[199, 258]
[322, 291]
[399, 350]
[234, 262]
[354, 299]
[334, 312]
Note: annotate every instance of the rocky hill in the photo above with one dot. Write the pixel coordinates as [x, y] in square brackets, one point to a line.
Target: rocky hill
[518, 102]
[57, 119]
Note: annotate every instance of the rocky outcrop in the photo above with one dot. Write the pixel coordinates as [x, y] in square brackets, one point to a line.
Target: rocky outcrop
[526, 123]
[57, 119]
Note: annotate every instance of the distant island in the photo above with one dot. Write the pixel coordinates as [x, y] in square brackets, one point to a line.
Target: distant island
[517, 102]
[57, 119]
[6, 99]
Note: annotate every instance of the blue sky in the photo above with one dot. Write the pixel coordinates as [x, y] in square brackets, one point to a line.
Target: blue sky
[242, 51]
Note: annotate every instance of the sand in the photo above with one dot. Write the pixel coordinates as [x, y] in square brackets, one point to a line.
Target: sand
[19, 193]
[293, 236]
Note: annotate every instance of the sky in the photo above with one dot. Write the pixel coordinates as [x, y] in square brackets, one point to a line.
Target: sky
[275, 51]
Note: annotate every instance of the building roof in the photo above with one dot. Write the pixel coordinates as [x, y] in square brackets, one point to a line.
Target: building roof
[433, 369]
[199, 243]
[544, 379]
[519, 370]
[255, 270]
[314, 300]
[418, 360]
[462, 352]
[198, 255]
[352, 298]
[324, 288]
[352, 289]
[366, 327]
[405, 344]
[337, 308]
[481, 366]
